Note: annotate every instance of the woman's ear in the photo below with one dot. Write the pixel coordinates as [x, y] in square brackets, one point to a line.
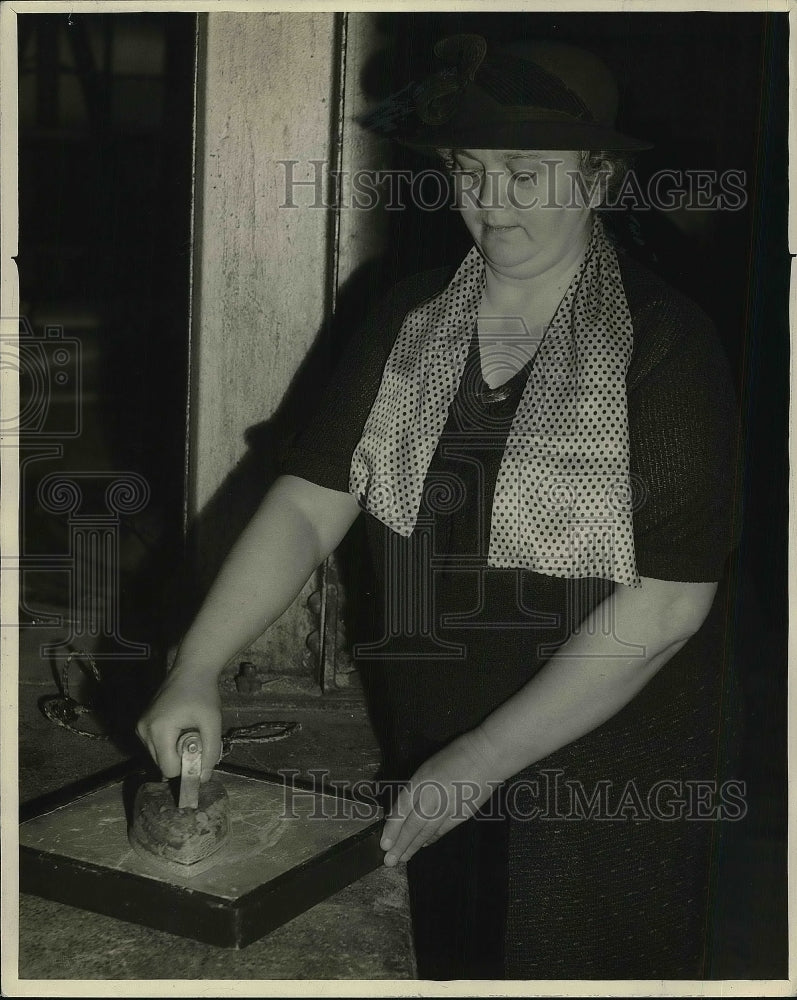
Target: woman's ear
[619, 167]
[603, 171]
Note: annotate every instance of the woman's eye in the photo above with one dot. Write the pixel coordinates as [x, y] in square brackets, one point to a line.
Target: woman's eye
[524, 176]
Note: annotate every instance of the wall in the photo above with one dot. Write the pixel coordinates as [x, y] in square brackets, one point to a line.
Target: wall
[264, 274]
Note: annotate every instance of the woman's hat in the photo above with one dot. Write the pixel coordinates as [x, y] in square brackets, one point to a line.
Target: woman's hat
[526, 95]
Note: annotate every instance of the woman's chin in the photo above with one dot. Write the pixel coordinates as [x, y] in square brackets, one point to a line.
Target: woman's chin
[505, 257]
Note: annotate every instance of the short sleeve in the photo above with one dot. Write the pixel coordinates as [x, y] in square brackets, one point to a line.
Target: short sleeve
[684, 437]
[322, 449]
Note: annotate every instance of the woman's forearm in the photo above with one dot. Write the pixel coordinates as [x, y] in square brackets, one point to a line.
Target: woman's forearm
[296, 526]
[581, 686]
[586, 682]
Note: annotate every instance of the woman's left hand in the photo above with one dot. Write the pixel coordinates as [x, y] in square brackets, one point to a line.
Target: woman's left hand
[445, 791]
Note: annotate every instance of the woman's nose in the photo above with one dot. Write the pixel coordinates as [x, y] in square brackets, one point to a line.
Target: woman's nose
[489, 191]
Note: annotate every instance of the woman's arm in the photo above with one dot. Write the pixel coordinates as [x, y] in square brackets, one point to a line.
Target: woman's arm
[584, 684]
[296, 526]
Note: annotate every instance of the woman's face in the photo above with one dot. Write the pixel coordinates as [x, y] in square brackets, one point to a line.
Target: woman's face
[522, 207]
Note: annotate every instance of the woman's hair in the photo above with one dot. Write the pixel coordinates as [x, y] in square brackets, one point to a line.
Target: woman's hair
[606, 167]
[609, 164]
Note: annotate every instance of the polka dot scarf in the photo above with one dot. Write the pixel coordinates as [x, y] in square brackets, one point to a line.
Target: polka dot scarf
[563, 498]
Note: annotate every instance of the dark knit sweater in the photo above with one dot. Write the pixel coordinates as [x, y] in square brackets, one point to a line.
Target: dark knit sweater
[682, 417]
[555, 898]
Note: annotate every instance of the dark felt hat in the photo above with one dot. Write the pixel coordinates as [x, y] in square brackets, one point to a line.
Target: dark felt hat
[525, 95]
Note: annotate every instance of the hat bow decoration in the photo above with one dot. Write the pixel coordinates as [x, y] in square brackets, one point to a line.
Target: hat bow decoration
[437, 98]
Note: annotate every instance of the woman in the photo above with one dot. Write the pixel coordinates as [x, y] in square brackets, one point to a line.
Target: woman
[541, 443]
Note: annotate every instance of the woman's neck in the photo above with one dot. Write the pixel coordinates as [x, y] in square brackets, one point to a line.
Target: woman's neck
[520, 295]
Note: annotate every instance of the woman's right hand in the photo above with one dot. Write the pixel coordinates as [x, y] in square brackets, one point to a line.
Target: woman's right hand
[183, 702]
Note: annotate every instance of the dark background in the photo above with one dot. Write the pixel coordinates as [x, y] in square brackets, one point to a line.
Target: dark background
[106, 106]
[105, 170]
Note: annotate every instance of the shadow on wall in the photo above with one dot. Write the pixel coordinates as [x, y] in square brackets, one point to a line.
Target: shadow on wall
[236, 499]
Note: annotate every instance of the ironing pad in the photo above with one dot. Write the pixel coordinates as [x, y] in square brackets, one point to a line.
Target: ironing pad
[291, 845]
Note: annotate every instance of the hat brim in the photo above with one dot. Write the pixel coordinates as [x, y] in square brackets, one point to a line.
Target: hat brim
[528, 135]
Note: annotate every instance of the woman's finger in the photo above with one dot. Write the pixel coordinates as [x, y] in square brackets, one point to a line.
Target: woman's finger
[398, 813]
[431, 806]
[410, 829]
[148, 745]
[429, 809]
[164, 738]
[211, 746]
[142, 732]
[421, 839]
[401, 837]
